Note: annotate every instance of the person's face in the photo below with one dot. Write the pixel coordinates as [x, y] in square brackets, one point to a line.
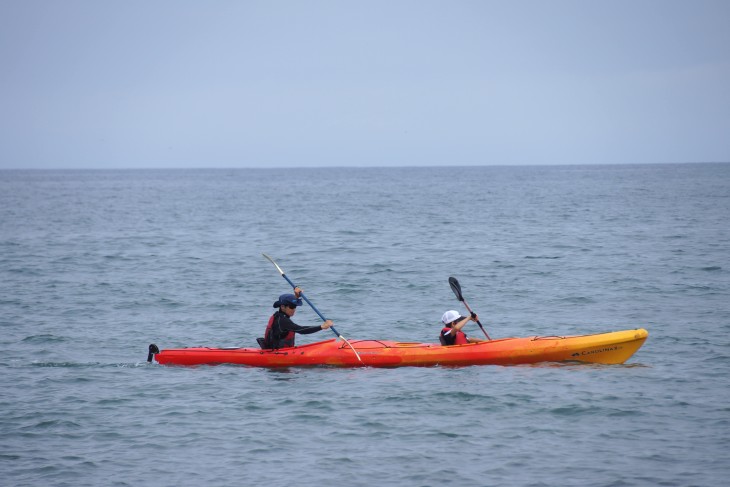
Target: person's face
[289, 310]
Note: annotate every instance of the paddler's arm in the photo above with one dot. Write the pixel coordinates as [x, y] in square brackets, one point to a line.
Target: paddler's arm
[306, 330]
[464, 321]
[289, 325]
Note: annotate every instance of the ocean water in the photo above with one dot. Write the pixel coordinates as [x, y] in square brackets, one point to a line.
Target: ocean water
[96, 265]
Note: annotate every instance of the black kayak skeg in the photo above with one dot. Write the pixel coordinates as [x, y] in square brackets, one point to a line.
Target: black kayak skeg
[153, 350]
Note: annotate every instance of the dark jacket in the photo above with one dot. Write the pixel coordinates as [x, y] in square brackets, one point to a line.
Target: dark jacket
[281, 332]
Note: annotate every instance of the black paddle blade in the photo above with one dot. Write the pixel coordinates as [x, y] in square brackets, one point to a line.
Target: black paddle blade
[456, 288]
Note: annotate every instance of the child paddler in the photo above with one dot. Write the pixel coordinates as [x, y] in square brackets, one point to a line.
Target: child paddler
[451, 333]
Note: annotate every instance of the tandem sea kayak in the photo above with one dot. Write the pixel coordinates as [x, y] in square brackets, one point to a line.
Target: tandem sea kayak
[605, 348]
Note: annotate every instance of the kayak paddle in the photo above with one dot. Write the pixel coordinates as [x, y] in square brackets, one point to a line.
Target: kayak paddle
[456, 287]
[310, 304]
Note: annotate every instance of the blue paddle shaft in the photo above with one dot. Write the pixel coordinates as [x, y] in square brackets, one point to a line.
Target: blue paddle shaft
[310, 304]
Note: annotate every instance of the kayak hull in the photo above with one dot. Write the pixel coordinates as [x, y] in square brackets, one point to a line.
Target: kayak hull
[605, 348]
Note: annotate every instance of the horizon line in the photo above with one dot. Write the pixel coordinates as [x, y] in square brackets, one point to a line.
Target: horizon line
[434, 166]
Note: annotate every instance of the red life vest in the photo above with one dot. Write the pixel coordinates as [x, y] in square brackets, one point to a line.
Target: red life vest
[269, 342]
[449, 336]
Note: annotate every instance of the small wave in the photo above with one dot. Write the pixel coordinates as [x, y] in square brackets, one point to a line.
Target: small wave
[578, 300]
[459, 395]
[693, 287]
[575, 410]
[711, 268]
[580, 365]
[169, 303]
[124, 258]
[377, 269]
[546, 257]
[25, 271]
[93, 365]
[44, 338]
[53, 423]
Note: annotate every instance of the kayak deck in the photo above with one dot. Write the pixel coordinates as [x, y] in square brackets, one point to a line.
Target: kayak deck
[604, 348]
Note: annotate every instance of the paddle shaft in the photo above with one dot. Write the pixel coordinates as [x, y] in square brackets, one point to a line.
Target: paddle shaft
[456, 287]
[301, 294]
[478, 322]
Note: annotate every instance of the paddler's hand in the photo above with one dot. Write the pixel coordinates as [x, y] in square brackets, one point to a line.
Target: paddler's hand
[327, 324]
[474, 317]
[298, 292]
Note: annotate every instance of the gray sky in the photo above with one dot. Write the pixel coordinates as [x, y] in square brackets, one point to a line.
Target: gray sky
[174, 83]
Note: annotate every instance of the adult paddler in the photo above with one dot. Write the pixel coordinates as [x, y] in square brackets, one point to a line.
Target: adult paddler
[281, 330]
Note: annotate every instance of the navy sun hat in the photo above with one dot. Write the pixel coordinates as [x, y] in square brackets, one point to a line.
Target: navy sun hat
[289, 299]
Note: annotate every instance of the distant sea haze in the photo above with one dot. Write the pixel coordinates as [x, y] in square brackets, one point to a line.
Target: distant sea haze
[96, 265]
